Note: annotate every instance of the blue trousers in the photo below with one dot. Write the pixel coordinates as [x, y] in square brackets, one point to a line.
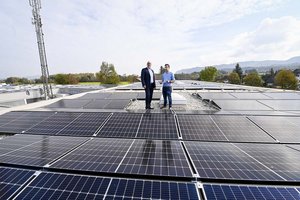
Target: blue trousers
[167, 91]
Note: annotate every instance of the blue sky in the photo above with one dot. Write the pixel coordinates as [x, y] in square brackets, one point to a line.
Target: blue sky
[79, 34]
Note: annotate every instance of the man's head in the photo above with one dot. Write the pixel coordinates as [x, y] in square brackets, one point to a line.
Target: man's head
[167, 67]
[149, 64]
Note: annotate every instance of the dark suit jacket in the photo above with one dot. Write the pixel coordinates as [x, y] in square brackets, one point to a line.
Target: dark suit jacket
[145, 77]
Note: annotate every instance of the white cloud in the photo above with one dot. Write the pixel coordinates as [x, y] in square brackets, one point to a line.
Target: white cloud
[81, 34]
[274, 38]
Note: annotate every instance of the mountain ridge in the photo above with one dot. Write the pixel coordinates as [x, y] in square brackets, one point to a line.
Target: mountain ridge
[291, 63]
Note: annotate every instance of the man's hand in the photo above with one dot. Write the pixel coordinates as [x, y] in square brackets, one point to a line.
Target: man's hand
[144, 86]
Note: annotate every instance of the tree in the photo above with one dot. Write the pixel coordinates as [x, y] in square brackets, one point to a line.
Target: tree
[72, 79]
[61, 79]
[234, 78]
[208, 74]
[108, 74]
[66, 79]
[238, 70]
[12, 80]
[161, 70]
[286, 79]
[253, 79]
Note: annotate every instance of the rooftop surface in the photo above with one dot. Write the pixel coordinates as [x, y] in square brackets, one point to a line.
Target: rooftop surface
[226, 142]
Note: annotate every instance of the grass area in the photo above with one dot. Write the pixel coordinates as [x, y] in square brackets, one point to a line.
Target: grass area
[124, 83]
[89, 83]
[98, 83]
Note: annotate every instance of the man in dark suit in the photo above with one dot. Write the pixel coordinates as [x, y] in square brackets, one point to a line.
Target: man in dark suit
[148, 83]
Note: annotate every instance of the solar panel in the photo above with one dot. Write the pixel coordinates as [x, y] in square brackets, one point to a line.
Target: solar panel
[240, 192]
[11, 180]
[25, 122]
[100, 155]
[15, 142]
[121, 125]
[67, 186]
[156, 157]
[123, 95]
[117, 104]
[199, 127]
[158, 126]
[95, 96]
[63, 186]
[284, 129]
[225, 161]
[241, 105]
[283, 95]
[10, 116]
[296, 147]
[97, 104]
[282, 104]
[42, 152]
[85, 125]
[215, 95]
[239, 128]
[69, 103]
[249, 95]
[145, 189]
[156, 96]
[283, 160]
[54, 124]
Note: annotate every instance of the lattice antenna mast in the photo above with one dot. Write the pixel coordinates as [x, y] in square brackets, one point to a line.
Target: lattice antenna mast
[37, 22]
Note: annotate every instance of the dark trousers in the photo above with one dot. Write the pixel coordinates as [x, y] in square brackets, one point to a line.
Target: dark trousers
[149, 94]
[167, 91]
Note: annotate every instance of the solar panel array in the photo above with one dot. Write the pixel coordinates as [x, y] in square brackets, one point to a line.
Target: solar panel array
[152, 155]
[41, 152]
[11, 180]
[240, 192]
[284, 129]
[66, 186]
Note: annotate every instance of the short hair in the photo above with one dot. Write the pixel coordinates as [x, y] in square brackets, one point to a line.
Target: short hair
[148, 62]
[167, 65]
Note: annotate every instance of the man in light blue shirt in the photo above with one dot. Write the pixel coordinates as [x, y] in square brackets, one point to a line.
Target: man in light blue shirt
[167, 80]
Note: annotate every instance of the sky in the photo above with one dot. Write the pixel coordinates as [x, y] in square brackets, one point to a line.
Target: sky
[80, 34]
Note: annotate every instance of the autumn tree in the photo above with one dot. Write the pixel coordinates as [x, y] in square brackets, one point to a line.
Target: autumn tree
[234, 78]
[286, 79]
[208, 74]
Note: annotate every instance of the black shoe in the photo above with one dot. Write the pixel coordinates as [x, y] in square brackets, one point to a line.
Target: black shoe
[150, 108]
[162, 107]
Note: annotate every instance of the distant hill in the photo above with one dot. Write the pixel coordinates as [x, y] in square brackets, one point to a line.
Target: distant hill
[260, 66]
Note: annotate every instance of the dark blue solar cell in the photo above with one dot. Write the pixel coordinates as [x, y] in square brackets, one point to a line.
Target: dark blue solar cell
[121, 187]
[146, 191]
[138, 189]
[165, 190]
[129, 190]
[156, 190]
[174, 191]
[250, 192]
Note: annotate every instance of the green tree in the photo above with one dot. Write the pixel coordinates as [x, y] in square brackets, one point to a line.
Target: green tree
[234, 78]
[12, 80]
[253, 79]
[61, 79]
[238, 70]
[108, 74]
[286, 79]
[208, 74]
